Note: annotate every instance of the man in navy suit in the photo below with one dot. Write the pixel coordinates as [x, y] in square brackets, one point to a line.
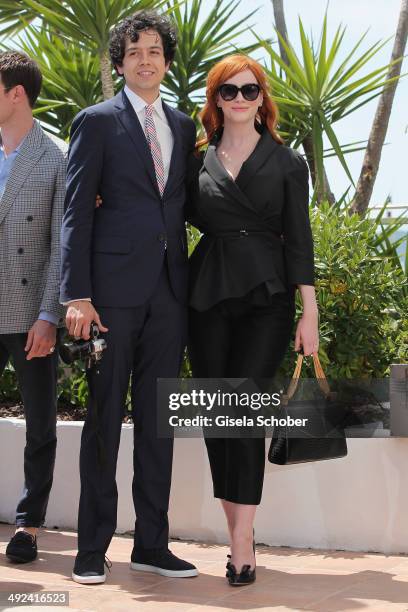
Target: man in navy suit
[124, 266]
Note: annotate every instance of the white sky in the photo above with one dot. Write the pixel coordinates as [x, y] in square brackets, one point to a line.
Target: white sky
[381, 17]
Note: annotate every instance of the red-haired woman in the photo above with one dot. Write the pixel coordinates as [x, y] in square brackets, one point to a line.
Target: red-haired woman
[251, 204]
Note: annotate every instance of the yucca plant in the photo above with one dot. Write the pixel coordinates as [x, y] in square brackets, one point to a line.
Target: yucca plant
[386, 244]
[316, 91]
[86, 22]
[71, 79]
[15, 15]
[202, 43]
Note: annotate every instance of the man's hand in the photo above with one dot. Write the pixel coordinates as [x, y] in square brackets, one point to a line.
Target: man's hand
[41, 339]
[80, 315]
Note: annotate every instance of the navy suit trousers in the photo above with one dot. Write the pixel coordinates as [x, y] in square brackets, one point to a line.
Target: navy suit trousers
[37, 380]
[144, 343]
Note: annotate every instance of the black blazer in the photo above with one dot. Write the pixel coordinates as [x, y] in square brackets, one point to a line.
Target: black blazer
[114, 254]
[256, 229]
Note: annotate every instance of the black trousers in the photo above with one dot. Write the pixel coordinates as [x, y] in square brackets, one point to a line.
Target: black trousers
[37, 380]
[239, 339]
[145, 342]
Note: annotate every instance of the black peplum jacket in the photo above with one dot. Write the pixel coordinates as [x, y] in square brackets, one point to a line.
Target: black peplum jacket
[256, 229]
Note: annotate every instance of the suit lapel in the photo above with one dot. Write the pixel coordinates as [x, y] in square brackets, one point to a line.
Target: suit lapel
[262, 152]
[31, 151]
[177, 148]
[217, 171]
[131, 123]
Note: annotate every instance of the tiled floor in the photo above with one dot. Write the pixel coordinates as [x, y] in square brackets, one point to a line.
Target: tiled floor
[287, 579]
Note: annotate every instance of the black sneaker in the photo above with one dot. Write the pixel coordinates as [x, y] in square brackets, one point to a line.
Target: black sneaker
[89, 567]
[163, 562]
[22, 547]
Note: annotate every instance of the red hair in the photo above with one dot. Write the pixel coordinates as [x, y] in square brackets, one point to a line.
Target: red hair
[212, 117]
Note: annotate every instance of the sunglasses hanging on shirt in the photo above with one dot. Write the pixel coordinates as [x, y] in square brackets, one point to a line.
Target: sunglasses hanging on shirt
[229, 92]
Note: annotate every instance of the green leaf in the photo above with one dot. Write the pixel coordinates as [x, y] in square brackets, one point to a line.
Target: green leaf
[204, 39]
[313, 94]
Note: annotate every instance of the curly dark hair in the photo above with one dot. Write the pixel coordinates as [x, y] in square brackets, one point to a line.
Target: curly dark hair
[130, 28]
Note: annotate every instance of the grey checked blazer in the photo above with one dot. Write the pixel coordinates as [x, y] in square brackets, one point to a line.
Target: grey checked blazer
[31, 211]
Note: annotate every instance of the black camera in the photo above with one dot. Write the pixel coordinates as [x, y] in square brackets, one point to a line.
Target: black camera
[90, 350]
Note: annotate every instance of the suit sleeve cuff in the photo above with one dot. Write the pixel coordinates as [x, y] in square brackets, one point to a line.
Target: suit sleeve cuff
[78, 300]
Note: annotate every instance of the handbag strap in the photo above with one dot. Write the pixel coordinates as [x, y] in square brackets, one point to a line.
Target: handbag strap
[320, 375]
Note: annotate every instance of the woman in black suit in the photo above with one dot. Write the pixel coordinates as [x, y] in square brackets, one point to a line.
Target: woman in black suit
[251, 203]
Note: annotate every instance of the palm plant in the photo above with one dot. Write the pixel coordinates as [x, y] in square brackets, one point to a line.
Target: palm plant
[385, 242]
[88, 22]
[71, 79]
[313, 93]
[202, 43]
[14, 16]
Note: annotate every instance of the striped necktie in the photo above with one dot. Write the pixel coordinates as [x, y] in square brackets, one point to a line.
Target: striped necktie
[154, 144]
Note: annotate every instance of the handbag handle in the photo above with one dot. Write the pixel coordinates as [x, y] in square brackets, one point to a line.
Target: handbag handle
[320, 375]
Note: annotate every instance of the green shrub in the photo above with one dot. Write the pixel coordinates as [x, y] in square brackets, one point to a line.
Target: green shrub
[72, 385]
[361, 296]
[8, 385]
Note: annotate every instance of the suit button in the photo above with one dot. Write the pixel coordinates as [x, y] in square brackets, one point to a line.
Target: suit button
[24, 281]
[20, 251]
[161, 237]
[29, 218]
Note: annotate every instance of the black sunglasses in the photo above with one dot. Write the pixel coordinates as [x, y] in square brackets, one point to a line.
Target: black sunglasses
[229, 92]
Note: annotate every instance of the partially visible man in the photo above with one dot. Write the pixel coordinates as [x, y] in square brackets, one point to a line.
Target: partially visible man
[32, 192]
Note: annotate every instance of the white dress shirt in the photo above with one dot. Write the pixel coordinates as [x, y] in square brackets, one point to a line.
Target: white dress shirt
[164, 133]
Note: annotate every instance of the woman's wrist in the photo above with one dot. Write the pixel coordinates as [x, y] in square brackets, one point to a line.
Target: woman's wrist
[310, 311]
[309, 302]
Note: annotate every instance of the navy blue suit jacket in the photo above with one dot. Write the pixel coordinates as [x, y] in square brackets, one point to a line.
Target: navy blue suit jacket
[114, 254]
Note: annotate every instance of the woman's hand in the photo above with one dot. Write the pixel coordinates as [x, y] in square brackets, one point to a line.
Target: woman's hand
[98, 201]
[307, 333]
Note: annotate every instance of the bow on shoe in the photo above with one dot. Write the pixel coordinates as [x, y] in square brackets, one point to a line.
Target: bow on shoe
[245, 576]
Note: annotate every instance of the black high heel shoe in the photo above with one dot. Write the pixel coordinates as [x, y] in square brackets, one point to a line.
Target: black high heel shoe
[245, 576]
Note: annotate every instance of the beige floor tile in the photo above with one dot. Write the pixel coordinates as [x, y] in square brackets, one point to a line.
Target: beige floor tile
[101, 600]
[381, 593]
[287, 579]
[355, 562]
[402, 567]
[226, 605]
